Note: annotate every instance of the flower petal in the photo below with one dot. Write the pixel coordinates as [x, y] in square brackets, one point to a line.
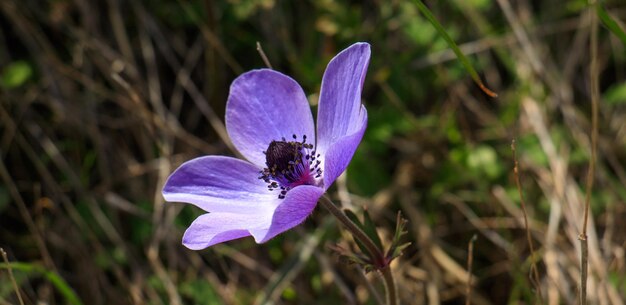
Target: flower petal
[336, 158]
[220, 184]
[294, 209]
[340, 113]
[265, 105]
[214, 228]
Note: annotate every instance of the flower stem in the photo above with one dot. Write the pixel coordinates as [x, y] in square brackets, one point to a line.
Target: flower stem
[390, 286]
[353, 228]
[375, 252]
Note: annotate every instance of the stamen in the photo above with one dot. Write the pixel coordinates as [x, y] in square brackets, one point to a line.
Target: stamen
[289, 164]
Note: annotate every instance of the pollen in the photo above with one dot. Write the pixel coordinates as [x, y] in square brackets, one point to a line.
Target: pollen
[289, 164]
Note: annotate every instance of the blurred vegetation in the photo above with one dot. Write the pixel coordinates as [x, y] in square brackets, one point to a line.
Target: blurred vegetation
[101, 100]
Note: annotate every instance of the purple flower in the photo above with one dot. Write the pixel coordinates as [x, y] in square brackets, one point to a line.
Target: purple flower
[288, 168]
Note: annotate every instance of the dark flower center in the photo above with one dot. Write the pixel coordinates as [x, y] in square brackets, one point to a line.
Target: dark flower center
[289, 164]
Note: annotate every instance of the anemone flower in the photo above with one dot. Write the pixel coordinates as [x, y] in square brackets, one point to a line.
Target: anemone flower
[288, 166]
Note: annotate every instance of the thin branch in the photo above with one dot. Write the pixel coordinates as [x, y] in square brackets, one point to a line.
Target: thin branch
[26, 216]
[595, 96]
[470, 260]
[17, 289]
[533, 264]
[266, 60]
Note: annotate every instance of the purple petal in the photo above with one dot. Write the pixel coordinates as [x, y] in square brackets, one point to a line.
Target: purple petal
[295, 208]
[220, 184]
[341, 118]
[337, 157]
[214, 228]
[265, 105]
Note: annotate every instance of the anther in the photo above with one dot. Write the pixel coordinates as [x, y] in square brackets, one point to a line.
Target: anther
[289, 164]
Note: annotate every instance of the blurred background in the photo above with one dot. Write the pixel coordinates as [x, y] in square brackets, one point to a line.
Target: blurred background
[101, 100]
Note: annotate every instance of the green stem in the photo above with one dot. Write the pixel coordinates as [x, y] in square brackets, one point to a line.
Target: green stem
[390, 286]
[375, 252]
[353, 228]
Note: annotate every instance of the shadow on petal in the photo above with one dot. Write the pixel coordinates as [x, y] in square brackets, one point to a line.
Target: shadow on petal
[214, 228]
[337, 156]
[266, 105]
[295, 208]
[220, 184]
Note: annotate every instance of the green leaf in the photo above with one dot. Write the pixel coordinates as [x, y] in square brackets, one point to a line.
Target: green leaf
[615, 95]
[484, 160]
[200, 291]
[464, 61]
[480, 4]
[400, 227]
[397, 251]
[396, 248]
[16, 74]
[370, 229]
[610, 23]
[349, 257]
[290, 294]
[57, 281]
[358, 223]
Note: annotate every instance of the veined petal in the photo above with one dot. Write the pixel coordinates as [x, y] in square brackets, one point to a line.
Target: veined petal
[292, 211]
[336, 158]
[265, 105]
[214, 228]
[220, 184]
[341, 118]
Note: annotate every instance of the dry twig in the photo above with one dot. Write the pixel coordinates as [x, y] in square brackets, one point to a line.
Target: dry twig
[533, 261]
[10, 270]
